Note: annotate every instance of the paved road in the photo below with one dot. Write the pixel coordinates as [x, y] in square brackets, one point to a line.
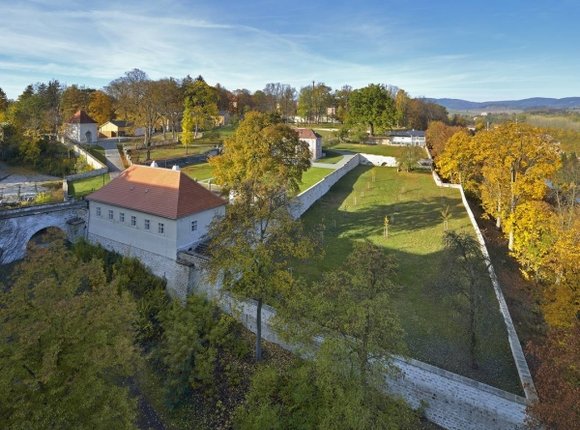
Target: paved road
[114, 162]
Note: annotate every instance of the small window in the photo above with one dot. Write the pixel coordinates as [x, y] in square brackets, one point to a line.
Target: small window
[122, 216]
[98, 211]
[147, 224]
[133, 220]
[111, 214]
[193, 225]
[160, 228]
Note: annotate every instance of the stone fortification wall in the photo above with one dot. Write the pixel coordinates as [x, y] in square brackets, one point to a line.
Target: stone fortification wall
[378, 160]
[449, 400]
[98, 167]
[304, 200]
[178, 276]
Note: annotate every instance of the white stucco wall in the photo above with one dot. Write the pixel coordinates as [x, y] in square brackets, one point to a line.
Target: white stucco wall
[177, 234]
[185, 237]
[78, 132]
[134, 236]
[315, 147]
[404, 140]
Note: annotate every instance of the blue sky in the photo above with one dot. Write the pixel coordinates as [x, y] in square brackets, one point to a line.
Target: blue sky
[475, 50]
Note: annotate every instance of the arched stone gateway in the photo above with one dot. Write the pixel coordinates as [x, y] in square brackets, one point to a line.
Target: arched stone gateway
[18, 226]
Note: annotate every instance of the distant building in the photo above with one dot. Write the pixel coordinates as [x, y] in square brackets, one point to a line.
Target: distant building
[81, 128]
[314, 141]
[115, 128]
[406, 137]
[153, 213]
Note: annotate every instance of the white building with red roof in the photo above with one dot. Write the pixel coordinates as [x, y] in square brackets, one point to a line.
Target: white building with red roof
[153, 213]
[314, 141]
[82, 128]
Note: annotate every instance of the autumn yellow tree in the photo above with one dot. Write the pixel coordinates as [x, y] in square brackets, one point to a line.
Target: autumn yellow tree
[459, 163]
[517, 161]
[100, 107]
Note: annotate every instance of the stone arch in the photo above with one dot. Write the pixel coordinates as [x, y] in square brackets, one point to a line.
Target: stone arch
[89, 136]
[45, 235]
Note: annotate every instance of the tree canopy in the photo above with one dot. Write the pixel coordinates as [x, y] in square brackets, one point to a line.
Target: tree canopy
[67, 343]
[373, 107]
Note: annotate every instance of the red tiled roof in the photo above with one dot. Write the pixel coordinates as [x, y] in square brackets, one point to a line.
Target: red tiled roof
[163, 192]
[81, 117]
[306, 133]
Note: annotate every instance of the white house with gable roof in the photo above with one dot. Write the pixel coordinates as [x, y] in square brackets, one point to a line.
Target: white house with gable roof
[314, 141]
[153, 213]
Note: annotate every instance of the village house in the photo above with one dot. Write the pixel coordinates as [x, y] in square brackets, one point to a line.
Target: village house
[314, 141]
[115, 128]
[154, 214]
[81, 128]
[406, 137]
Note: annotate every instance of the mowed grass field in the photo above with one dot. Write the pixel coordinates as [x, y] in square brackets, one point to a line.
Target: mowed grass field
[434, 330]
[201, 172]
[86, 186]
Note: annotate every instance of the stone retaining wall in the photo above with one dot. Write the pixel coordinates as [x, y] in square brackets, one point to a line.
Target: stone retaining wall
[304, 200]
[378, 160]
[449, 400]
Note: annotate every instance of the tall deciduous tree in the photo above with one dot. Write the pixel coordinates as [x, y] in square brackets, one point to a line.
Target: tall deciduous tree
[73, 99]
[517, 160]
[437, 135]
[170, 105]
[373, 107]
[351, 308]
[313, 101]
[401, 107]
[261, 165]
[100, 107]
[200, 109]
[66, 343]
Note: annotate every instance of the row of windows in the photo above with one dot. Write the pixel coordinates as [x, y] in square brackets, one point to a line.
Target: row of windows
[146, 222]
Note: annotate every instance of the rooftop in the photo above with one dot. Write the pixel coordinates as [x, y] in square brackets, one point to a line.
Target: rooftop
[81, 117]
[163, 192]
[306, 133]
[407, 133]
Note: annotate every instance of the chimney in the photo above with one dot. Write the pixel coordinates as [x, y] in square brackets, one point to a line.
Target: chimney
[154, 164]
[176, 168]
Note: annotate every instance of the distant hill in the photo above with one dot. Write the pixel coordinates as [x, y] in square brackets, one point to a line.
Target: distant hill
[509, 105]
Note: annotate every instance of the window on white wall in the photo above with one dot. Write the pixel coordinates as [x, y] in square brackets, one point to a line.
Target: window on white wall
[193, 225]
[98, 211]
[111, 214]
[122, 216]
[147, 224]
[161, 228]
[133, 220]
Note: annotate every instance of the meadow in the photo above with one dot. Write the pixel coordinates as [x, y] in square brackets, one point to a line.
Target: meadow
[355, 209]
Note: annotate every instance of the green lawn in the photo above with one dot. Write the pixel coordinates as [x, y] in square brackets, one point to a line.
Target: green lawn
[198, 171]
[413, 204]
[169, 151]
[98, 152]
[83, 187]
[204, 171]
[386, 150]
[330, 156]
[312, 176]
